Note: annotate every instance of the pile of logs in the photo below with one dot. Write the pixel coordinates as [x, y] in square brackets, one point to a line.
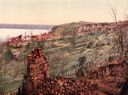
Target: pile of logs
[106, 80]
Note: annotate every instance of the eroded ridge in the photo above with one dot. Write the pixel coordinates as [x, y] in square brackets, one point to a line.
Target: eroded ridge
[106, 80]
[37, 70]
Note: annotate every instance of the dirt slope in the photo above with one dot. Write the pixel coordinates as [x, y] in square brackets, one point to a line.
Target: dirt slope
[106, 80]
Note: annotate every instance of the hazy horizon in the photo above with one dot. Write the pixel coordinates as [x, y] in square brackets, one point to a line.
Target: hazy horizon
[60, 11]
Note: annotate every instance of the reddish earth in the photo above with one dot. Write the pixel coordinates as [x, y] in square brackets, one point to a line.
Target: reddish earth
[110, 79]
[20, 40]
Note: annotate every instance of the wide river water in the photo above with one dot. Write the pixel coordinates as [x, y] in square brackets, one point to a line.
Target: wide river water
[7, 33]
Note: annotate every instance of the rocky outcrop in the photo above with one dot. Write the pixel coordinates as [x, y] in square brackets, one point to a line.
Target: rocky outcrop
[106, 80]
[37, 71]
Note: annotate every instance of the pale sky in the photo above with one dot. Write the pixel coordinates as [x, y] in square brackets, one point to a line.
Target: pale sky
[59, 11]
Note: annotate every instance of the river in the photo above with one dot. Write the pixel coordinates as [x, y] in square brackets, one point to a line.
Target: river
[7, 33]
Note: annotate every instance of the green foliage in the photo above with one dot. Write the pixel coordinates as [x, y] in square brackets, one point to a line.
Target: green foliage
[41, 44]
[30, 46]
[9, 55]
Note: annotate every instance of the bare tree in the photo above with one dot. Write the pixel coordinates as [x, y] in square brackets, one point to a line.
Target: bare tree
[74, 35]
[122, 37]
[113, 11]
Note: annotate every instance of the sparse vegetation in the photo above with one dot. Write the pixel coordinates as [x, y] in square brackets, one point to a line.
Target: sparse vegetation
[63, 53]
[8, 55]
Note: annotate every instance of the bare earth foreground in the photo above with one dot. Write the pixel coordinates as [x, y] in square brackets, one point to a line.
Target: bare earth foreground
[110, 79]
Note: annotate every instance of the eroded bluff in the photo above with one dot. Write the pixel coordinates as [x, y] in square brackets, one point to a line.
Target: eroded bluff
[110, 79]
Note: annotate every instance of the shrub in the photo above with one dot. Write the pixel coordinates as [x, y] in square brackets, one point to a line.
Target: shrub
[9, 55]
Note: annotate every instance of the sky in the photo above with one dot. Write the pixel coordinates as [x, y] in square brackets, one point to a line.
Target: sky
[60, 11]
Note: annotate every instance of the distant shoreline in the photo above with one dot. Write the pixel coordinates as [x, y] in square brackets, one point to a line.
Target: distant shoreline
[6, 33]
[25, 26]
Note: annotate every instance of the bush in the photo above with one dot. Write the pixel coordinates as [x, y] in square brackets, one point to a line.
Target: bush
[41, 44]
[8, 55]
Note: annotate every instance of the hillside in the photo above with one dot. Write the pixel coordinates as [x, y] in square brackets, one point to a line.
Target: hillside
[72, 50]
[97, 43]
[107, 80]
